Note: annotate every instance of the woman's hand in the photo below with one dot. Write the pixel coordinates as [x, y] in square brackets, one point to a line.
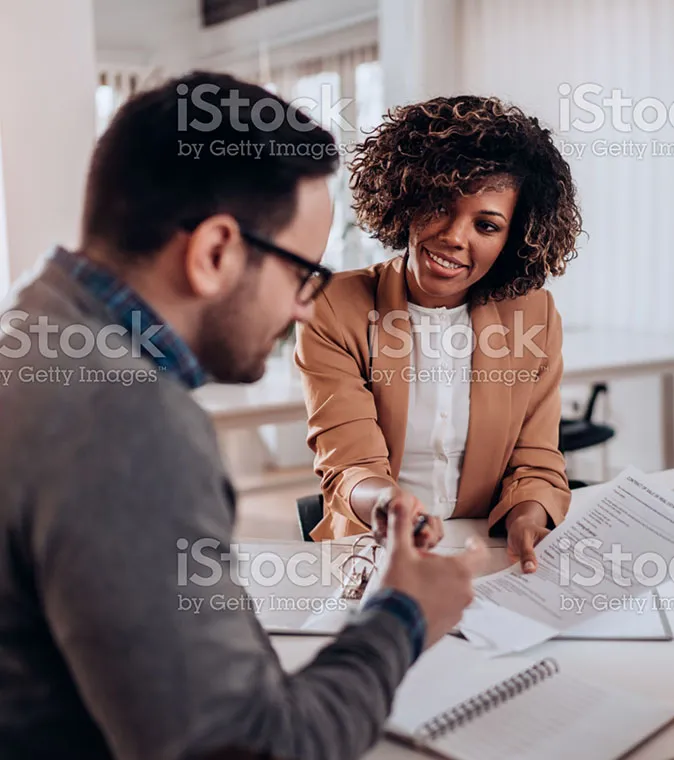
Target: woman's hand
[526, 526]
[429, 536]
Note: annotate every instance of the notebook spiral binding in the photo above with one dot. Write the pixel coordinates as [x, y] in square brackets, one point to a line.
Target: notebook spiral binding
[474, 707]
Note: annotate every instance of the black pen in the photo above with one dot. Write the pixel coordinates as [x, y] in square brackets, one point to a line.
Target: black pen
[422, 522]
[381, 511]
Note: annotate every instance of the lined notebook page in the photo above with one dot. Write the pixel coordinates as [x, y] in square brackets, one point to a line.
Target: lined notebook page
[452, 671]
[557, 718]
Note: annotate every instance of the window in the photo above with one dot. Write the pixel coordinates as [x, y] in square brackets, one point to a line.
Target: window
[116, 85]
[106, 106]
[314, 94]
[360, 249]
[369, 95]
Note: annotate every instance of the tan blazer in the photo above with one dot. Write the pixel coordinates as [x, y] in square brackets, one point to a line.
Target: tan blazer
[355, 374]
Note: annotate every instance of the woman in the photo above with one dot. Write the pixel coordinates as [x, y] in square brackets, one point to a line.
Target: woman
[437, 372]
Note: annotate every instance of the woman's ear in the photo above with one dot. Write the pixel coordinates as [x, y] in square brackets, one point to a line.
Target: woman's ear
[216, 257]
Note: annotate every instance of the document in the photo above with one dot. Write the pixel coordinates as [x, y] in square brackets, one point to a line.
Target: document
[607, 556]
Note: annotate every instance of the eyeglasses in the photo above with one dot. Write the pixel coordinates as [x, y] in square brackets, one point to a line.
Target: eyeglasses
[314, 277]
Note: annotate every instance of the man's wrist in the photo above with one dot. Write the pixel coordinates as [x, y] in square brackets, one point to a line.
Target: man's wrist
[407, 611]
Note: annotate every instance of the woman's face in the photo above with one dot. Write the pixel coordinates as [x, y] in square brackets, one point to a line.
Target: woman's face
[451, 252]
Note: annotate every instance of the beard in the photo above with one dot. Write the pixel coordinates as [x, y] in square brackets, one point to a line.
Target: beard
[234, 344]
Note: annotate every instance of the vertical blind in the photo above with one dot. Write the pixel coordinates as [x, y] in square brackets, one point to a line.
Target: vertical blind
[118, 83]
[362, 97]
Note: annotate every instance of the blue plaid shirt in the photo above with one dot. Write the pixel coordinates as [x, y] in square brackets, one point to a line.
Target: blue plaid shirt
[169, 350]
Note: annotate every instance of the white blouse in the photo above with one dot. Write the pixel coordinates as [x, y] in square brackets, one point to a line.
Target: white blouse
[439, 405]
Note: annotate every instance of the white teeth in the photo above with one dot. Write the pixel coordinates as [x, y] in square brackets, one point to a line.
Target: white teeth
[443, 262]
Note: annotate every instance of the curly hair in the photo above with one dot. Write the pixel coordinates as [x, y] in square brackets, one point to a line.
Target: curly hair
[425, 154]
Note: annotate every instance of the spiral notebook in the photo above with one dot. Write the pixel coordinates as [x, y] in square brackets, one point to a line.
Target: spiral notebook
[456, 707]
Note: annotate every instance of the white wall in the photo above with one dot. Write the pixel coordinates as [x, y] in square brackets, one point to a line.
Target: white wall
[523, 50]
[417, 48]
[5, 278]
[49, 57]
[158, 33]
[47, 78]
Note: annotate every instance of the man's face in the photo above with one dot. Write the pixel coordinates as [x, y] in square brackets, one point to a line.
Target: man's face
[238, 333]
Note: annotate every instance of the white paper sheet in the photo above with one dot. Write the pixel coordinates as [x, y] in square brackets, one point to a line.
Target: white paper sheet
[614, 550]
[296, 585]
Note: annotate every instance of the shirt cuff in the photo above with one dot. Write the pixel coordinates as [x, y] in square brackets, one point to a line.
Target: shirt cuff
[408, 613]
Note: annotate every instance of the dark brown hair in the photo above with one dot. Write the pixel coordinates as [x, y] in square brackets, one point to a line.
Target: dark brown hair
[142, 189]
[425, 154]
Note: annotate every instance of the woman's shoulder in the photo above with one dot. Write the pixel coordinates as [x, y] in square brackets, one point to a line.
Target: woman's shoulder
[342, 310]
[536, 304]
[354, 291]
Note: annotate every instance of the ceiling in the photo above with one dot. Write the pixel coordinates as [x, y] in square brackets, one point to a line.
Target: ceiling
[142, 25]
[217, 11]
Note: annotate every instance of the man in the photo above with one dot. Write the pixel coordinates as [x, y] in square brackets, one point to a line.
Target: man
[201, 239]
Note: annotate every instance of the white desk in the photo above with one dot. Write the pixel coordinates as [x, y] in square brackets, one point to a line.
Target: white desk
[646, 667]
[589, 356]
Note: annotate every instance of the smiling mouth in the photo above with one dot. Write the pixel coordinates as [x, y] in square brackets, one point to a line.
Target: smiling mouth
[448, 264]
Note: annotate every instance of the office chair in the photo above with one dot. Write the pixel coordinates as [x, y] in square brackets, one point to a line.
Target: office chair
[583, 433]
[309, 514]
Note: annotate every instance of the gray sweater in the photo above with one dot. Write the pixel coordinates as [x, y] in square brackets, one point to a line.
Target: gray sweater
[101, 479]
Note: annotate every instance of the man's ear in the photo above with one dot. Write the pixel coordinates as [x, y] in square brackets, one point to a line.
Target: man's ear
[216, 257]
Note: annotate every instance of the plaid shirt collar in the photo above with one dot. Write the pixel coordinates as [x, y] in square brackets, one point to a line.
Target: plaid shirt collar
[171, 353]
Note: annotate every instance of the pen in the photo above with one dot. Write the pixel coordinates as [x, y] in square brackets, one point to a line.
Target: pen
[380, 514]
[421, 523]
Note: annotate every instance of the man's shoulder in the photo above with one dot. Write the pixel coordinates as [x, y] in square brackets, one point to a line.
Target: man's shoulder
[61, 396]
[70, 379]
[59, 346]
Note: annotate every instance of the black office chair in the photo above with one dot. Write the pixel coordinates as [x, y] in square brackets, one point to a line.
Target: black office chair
[583, 433]
[309, 514]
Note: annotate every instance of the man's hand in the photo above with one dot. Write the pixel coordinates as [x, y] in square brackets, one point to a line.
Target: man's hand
[428, 537]
[526, 526]
[441, 586]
